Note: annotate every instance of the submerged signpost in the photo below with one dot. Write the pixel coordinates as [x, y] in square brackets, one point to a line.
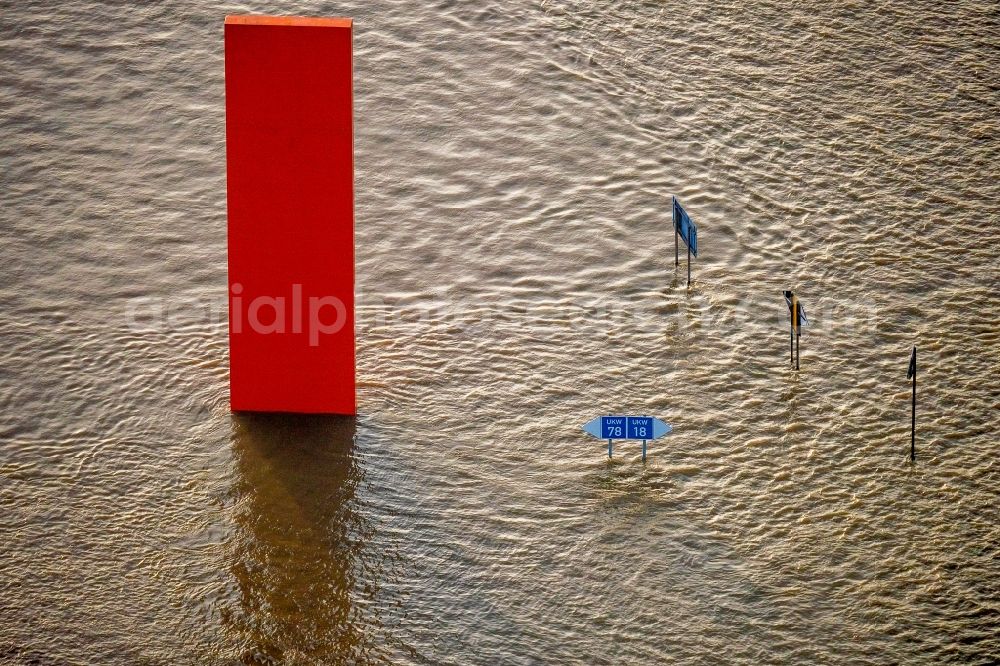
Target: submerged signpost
[613, 427]
[684, 227]
[797, 314]
[911, 373]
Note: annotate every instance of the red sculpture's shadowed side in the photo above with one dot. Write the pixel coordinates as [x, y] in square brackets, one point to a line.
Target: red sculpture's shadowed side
[290, 169]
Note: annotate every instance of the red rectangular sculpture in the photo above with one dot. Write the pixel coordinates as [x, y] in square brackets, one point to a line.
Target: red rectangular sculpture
[290, 186]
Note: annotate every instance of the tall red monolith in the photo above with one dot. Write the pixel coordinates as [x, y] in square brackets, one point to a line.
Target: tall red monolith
[290, 187]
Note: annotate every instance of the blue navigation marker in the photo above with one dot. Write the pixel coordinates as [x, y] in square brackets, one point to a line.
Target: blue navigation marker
[684, 227]
[627, 427]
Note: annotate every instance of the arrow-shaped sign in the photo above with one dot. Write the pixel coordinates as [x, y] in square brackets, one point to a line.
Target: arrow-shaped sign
[627, 427]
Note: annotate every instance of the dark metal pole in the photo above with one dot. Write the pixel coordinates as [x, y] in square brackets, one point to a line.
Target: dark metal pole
[689, 265]
[677, 253]
[791, 340]
[609, 448]
[643, 450]
[797, 326]
[913, 416]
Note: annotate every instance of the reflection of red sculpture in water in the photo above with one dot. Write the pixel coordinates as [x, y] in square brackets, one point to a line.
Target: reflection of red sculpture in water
[290, 168]
[304, 577]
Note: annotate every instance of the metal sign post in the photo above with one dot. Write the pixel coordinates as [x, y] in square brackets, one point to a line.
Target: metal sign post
[791, 299]
[797, 321]
[677, 256]
[798, 330]
[911, 373]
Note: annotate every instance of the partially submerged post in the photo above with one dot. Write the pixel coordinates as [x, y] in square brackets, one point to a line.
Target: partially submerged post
[911, 373]
[677, 255]
[689, 266]
[798, 330]
[797, 321]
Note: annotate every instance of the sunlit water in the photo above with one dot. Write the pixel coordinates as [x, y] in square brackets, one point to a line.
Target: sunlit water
[515, 163]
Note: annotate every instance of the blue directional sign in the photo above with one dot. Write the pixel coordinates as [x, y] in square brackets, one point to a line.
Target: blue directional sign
[685, 227]
[640, 427]
[614, 427]
[627, 427]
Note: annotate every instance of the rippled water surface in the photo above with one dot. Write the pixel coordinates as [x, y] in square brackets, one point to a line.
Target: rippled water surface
[515, 163]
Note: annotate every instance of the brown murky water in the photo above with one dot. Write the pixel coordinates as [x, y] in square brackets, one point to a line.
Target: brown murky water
[514, 168]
